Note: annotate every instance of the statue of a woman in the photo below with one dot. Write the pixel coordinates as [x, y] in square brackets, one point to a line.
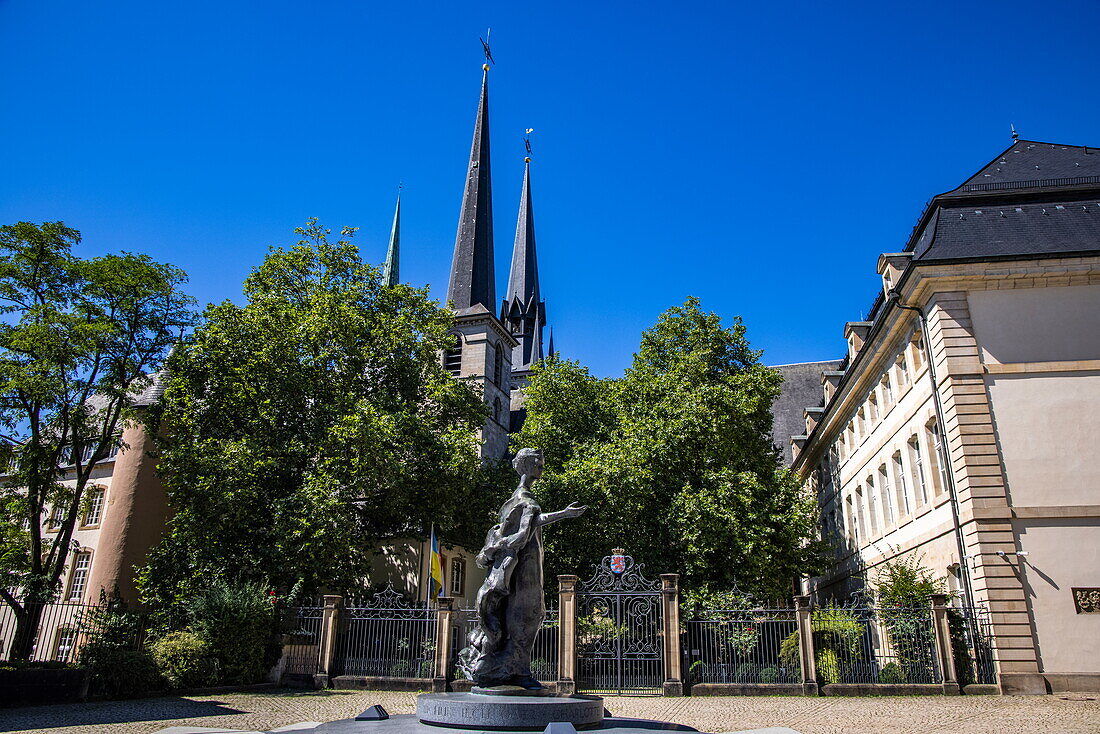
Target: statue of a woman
[510, 604]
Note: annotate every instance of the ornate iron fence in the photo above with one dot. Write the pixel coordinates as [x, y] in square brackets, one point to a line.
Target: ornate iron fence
[388, 637]
[972, 642]
[619, 630]
[740, 646]
[302, 646]
[865, 644]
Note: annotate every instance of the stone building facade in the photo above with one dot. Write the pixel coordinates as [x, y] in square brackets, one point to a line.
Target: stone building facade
[960, 426]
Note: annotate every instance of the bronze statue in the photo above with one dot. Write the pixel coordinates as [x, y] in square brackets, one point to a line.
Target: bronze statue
[510, 604]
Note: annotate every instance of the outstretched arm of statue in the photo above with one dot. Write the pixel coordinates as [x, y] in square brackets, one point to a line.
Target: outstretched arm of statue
[574, 510]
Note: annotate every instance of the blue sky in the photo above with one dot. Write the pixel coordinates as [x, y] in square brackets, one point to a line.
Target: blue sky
[758, 156]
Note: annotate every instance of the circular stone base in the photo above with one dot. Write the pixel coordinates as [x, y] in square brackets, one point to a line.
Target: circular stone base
[507, 713]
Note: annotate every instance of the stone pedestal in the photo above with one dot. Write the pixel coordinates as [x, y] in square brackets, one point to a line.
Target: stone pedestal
[507, 713]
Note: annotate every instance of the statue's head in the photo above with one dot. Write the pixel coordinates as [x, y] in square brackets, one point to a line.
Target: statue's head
[528, 462]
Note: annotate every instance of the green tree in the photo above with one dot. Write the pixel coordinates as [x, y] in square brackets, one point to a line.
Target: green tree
[676, 460]
[308, 424]
[77, 343]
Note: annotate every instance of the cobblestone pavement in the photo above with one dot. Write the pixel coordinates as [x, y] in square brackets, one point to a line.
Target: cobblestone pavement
[1074, 713]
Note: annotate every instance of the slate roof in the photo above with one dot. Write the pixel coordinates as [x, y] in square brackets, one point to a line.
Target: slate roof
[801, 389]
[391, 273]
[1033, 200]
[523, 308]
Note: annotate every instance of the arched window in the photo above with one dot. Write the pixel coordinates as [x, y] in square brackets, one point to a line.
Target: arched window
[498, 410]
[498, 364]
[452, 357]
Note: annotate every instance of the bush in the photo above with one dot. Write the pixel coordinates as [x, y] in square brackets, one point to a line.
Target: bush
[185, 660]
[237, 622]
[828, 667]
[836, 630]
[118, 672]
[891, 673]
[769, 675]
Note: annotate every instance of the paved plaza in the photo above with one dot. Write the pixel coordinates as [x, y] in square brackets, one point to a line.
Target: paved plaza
[269, 709]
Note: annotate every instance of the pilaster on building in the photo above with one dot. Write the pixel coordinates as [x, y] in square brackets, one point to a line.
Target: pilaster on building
[960, 426]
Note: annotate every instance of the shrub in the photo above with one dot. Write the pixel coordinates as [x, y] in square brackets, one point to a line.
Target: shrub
[769, 675]
[828, 667]
[964, 662]
[891, 673]
[118, 672]
[185, 660]
[237, 621]
[836, 632]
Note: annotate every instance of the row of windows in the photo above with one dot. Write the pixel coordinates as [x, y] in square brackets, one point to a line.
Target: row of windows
[882, 396]
[889, 496]
[93, 514]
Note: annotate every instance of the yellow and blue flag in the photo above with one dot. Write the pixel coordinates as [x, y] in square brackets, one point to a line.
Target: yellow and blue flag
[435, 568]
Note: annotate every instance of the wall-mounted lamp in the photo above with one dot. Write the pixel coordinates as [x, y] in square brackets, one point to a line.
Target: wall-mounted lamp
[1002, 554]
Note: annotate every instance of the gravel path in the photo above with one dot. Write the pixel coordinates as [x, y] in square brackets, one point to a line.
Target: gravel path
[1065, 714]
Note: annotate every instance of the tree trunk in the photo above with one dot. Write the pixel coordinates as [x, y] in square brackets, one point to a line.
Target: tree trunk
[26, 631]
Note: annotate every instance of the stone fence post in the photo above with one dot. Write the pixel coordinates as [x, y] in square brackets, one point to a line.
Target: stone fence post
[670, 603]
[803, 612]
[443, 629]
[945, 656]
[567, 634]
[330, 622]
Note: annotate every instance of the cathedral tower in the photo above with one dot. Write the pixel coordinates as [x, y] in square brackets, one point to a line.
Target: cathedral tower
[483, 347]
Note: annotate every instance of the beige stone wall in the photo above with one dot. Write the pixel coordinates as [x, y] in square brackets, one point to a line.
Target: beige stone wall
[482, 338]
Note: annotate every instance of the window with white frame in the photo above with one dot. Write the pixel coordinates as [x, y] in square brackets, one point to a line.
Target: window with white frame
[916, 466]
[78, 580]
[63, 647]
[889, 512]
[57, 516]
[458, 576]
[95, 507]
[902, 370]
[932, 434]
[901, 485]
[887, 392]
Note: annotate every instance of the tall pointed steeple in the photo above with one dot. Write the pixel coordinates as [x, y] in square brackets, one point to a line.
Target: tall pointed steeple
[391, 273]
[523, 309]
[472, 278]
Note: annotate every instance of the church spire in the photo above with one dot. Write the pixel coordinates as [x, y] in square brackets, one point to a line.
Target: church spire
[391, 274]
[472, 277]
[523, 309]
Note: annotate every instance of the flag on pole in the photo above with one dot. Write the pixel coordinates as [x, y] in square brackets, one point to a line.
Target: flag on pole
[435, 568]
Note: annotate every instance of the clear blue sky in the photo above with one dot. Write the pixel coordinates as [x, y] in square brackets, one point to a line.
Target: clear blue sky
[759, 156]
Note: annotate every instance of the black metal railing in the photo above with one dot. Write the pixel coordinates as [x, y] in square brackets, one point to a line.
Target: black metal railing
[973, 645]
[302, 643]
[386, 637]
[740, 646]
[892, 645]
[56, 632]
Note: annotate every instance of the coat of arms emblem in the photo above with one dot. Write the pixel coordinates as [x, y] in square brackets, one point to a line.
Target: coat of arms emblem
[618, 560]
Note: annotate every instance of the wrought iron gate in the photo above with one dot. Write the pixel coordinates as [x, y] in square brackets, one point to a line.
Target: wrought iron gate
[619, 630]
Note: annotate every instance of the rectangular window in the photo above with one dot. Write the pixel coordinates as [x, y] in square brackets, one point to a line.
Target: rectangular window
[935, 449]
[861, 423]
[872, 509]
[853, 527]
[57, 516]
[452, 357]
[82, 562]
[916, 465]
[458, 576]
[889, 512]
[902, 370]
[901, 484]
[95, 507]
[872, 407]
[918, 351]
[887, 392]
[63, 649]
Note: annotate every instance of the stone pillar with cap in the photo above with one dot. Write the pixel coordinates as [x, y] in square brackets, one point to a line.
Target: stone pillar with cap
[670, 638]
[567, 634]
[330, 621]
[803, 612]
[443, 629]
[945, 655]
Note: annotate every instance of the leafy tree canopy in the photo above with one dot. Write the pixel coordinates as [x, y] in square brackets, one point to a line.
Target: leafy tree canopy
[675, 460]
[307, 425]
[78, 340]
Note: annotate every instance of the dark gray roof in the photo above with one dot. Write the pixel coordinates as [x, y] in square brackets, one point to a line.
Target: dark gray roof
[523, 308]
[1011, 229]
[1031, 164]
[801, 390]
[472, 277]
[391, 273]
